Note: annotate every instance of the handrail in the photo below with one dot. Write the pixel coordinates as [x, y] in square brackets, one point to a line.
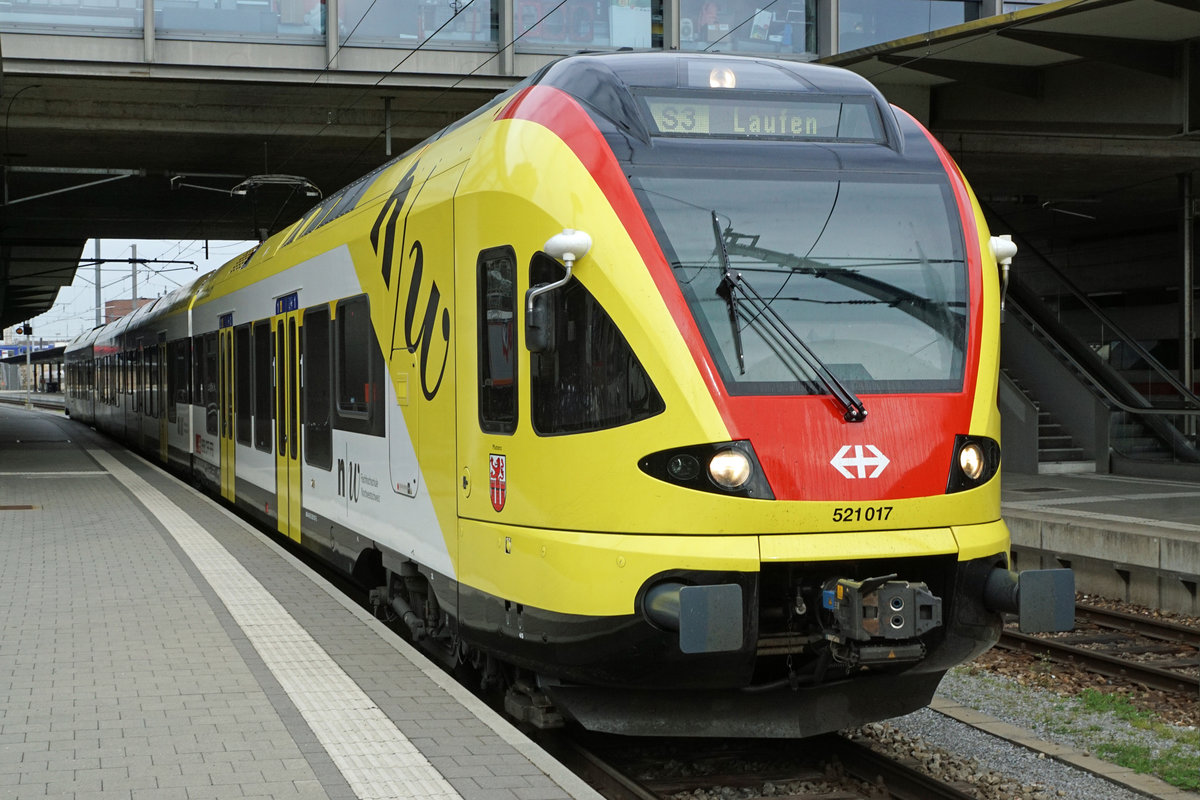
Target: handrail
[1081, 296]
[1169, 433]
[1091, 379]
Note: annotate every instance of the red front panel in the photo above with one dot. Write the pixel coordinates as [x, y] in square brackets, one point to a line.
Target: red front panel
[905, 446]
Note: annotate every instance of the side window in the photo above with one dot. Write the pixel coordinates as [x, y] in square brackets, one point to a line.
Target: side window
[242, 386]
[497, 295]
[181, 368]
[318, 437]
[198, 370]
[590, 380]
[359, 370]
[263, 371]
[354, 363]
[209, 398]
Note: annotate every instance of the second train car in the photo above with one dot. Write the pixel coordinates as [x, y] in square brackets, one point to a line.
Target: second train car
[660, 391]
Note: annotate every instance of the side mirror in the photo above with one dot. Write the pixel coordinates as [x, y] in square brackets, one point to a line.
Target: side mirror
[1003, 248]
[539, 321]
[567, 247]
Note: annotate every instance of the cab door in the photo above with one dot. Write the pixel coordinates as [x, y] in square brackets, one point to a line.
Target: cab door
[286, 327]
[225, 399]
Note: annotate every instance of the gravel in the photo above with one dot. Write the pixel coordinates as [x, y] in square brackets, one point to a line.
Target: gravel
[1051, 717]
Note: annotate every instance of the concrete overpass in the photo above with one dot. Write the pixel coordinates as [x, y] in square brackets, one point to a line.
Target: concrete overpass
[112, 132]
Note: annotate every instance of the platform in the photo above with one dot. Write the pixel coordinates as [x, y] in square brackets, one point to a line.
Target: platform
[153, 645]
[1129, 539]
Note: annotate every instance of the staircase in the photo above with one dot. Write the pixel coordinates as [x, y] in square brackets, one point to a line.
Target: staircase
[1057, 451]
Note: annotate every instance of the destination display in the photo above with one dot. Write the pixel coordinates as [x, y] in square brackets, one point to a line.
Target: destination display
[756, 116]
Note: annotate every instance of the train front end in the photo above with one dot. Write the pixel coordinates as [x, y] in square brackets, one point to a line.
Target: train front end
[797, 527]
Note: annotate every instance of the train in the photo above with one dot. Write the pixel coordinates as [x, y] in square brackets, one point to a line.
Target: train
[658, 395]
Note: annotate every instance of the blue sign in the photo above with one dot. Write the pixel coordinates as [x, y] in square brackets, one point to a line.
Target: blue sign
[226, 320]
[287, 303]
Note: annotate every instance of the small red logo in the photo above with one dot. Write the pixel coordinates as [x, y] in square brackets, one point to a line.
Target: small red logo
[497, 480]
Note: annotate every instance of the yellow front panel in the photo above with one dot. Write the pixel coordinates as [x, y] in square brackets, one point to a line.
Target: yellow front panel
[981, 541]
[586, 573]
[846, 546]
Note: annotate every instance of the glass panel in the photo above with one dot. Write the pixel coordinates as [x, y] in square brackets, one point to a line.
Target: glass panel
[318, 439]
[866, 22]
[545, 24]
[748, 26]
[590, 379]
[281, 390]
[210, 382]
[354, 362]
[407, 23]
[114, 17]
[292, 412]
[241, 381]
[497, 341]
[869, 274]
[263, 20]
[263, 369]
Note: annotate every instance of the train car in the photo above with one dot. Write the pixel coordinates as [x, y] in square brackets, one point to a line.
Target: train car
[660, 392]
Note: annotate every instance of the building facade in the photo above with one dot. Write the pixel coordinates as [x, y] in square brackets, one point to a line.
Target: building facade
[805, 29]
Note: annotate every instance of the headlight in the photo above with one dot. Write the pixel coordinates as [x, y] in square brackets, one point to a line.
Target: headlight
[975, 462]
[725, 468]
[971, 461]
[729, 469]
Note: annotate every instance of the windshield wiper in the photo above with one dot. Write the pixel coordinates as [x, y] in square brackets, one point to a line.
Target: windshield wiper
[928, 312]
[768, 320]
[726, 290]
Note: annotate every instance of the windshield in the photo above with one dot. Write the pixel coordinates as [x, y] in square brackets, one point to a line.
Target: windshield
[868, 274]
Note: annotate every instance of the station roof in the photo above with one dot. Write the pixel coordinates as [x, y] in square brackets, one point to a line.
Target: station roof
[1084, 109]
[1077, 115]
[1014, 51]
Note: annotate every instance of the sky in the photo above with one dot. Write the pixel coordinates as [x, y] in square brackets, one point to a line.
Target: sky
[74, 309]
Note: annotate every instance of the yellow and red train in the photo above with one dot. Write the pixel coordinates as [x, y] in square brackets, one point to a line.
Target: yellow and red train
[661, 389]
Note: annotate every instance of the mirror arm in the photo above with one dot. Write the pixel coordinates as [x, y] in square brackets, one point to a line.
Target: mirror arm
[541, 288]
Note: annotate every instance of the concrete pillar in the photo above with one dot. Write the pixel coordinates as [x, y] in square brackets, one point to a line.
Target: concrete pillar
[990, 8]
[827, 27]
[670, 24]
[148, 30]
[508, 26]
[332, 33]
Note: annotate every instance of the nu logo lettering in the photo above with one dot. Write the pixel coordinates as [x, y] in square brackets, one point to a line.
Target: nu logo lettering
[383, 242]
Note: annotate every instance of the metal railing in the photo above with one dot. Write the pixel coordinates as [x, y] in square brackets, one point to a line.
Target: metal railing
[1153, 414]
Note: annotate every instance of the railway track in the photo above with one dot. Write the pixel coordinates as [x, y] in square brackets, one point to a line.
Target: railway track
[1155, 653]
[829, 767]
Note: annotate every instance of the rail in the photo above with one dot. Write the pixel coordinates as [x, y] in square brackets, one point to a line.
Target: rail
[1105, 322]
[1068, 650]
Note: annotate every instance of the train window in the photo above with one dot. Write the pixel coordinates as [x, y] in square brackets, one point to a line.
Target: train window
[262, 385]
[293, 357]
[151, 360]
[868, 271]
[209, 396]
[497, 340]
[135, 380]
[358, 368]
[354, 363]
[318, 438]
[281, 391]
[197, 370]
[591, 379]
[178, 376]
[241, 383]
